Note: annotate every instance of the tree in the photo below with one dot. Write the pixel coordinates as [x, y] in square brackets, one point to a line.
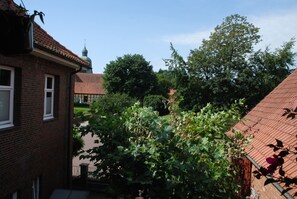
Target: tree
[130, 74]
[105, 121]
[158, 102]
[184, 155]
[166, 81]
[225, 67]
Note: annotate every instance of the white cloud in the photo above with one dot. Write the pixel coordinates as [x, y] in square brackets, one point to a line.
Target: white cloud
[276, 29]
[188, 38]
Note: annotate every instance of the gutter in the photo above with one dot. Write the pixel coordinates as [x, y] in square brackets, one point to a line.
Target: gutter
[49, 56]
[69, 127]
[275, 184]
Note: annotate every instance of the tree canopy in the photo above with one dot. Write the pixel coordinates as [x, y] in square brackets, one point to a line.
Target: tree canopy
[130, 74]
[184, 155]
[225, 67]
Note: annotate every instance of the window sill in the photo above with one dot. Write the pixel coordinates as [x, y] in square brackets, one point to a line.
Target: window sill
[6, 127]
[48, 119]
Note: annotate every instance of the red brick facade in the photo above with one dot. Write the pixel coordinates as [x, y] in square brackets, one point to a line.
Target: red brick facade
[33, 147]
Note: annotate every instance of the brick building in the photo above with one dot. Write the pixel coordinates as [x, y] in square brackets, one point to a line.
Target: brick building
[88, 87]
[267, 123]
[36, 100]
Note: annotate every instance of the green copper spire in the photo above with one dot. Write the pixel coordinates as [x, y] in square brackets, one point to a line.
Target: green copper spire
[86, 58]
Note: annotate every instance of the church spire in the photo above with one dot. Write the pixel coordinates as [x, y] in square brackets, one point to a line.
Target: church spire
[86, 58]
[85, 51]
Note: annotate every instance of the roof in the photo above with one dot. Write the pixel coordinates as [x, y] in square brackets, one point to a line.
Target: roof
[87, 83]
[267, 124]
[42, 40]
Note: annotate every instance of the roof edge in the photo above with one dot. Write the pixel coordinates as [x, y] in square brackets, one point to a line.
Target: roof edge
[275, 184]
[57, 59]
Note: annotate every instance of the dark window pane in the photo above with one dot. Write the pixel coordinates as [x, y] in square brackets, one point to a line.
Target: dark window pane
[49, 83]
[85, 98]
[48, 102]
[4, 105]
[48, 94]
[5, 77]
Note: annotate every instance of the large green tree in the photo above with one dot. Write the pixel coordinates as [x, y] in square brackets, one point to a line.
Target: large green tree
[130, 74]
[225, 67]
[184, 155]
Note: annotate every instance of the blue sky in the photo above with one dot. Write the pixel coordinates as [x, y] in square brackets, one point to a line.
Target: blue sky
[113, 28]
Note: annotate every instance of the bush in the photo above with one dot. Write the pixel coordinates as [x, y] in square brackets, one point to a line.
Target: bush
[77, 141]
[157, 102]
[181, 156]
[76, 104]
[105, 120]
[113, 103]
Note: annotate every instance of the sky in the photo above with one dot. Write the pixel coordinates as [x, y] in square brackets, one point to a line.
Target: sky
[113, 28]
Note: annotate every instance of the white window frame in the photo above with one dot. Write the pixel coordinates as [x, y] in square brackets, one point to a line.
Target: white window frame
[52, 91]
[9, 122]
[35, 188]
[15, 195]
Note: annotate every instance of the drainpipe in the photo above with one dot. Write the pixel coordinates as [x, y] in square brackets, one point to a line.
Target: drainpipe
[275, 184]
[69, 127]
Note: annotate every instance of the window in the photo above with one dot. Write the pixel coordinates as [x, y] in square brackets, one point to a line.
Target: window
[85, 99]
[6, 96]
[35, 188]
[14, 195]
[49, 97]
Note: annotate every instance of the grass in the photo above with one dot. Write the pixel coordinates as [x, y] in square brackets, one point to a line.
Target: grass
[81, 109]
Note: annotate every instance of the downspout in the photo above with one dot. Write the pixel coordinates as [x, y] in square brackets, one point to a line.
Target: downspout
[69, 133]
[275, 184]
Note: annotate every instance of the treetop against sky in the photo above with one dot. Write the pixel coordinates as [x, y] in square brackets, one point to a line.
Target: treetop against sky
[113, 28]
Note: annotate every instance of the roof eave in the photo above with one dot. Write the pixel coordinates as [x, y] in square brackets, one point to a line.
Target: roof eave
[51, 57]
[275, 184]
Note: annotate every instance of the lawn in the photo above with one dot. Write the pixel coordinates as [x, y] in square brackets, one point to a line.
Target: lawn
[81, 109]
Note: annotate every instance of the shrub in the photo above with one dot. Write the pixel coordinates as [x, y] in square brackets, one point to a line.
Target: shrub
[157, 102]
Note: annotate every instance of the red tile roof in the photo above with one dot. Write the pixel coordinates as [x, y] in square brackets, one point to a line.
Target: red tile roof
[267, 124]
[87, 83]
[44, 41]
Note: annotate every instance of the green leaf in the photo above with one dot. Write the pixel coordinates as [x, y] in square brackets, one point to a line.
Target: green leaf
[279, 143]
[283, 153]
[275, 148]
[268, 181]
[281, 171]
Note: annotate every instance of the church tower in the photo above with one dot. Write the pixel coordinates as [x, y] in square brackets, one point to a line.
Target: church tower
[86, 58]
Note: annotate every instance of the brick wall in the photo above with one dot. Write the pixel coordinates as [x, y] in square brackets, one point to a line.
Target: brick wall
[264, 192]
[34, 147]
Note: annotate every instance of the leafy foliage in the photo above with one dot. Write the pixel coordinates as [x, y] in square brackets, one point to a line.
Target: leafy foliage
[105, 121]
[166, 81]
[130, 74]
[226, 68]
[78, 142]
[184, 155]
[157, 102]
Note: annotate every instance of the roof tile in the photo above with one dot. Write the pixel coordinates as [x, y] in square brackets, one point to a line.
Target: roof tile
[266, 122]
[46, 42]
[87, 83]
